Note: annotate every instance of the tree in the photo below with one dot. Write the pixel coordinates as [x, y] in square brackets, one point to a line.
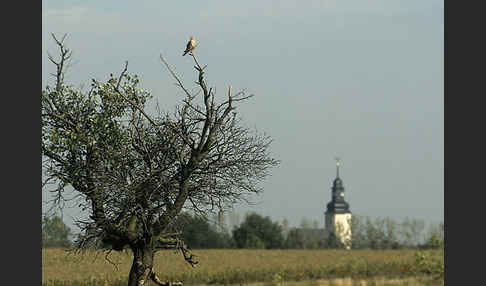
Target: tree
[416, 228]
[371, 234]
[358, 234]
[334, 241]
[134, 172]
[285, 228]
[411, 230]
[391, 240]
[294, 239]
[305, 223]
[257, 231]
[55, 233]
[308, 236]
[234, 219]
[434, 242]
[435, 236]
[305, 238]
[199, 233]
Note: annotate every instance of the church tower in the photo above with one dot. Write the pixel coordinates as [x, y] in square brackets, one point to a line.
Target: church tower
[338, 215]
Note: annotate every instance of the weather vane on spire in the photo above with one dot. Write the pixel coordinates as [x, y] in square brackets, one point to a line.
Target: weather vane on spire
[338, 163]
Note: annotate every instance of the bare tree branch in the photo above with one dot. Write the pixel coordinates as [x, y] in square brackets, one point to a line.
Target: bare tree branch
[175, 76]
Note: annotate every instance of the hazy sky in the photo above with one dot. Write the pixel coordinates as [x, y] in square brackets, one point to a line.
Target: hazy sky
[358, 79]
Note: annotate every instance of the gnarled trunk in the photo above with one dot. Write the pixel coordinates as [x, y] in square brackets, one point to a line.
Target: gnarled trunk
[142, 268]
[143, 261]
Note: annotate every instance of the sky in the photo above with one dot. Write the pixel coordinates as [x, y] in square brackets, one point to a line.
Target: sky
[359, 79]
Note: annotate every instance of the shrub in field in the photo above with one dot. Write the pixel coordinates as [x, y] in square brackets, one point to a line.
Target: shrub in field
[425, 263]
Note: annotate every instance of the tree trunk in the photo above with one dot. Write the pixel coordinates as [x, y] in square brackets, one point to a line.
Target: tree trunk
[143, 260]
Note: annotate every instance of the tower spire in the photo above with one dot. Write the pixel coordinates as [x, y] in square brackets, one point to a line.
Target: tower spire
[337, 166]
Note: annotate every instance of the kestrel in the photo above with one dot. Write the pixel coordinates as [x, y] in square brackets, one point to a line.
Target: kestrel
[190, 45]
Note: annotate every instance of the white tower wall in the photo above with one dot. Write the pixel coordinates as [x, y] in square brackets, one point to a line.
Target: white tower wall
[340, 225]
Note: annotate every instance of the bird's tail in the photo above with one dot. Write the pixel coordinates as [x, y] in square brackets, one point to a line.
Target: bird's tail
[185, 53]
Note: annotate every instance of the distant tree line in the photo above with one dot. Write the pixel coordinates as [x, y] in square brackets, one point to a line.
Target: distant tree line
[259, 232]
[387, 233]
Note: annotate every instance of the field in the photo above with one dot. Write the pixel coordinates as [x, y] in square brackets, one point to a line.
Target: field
[256, 267]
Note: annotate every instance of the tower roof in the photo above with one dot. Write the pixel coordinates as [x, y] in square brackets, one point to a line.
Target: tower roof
[337, 203]
[337, 183]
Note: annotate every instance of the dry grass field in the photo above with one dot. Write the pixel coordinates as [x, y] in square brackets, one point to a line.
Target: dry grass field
[256, 267]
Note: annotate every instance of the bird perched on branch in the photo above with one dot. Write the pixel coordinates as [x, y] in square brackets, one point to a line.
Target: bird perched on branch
[190, 45]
